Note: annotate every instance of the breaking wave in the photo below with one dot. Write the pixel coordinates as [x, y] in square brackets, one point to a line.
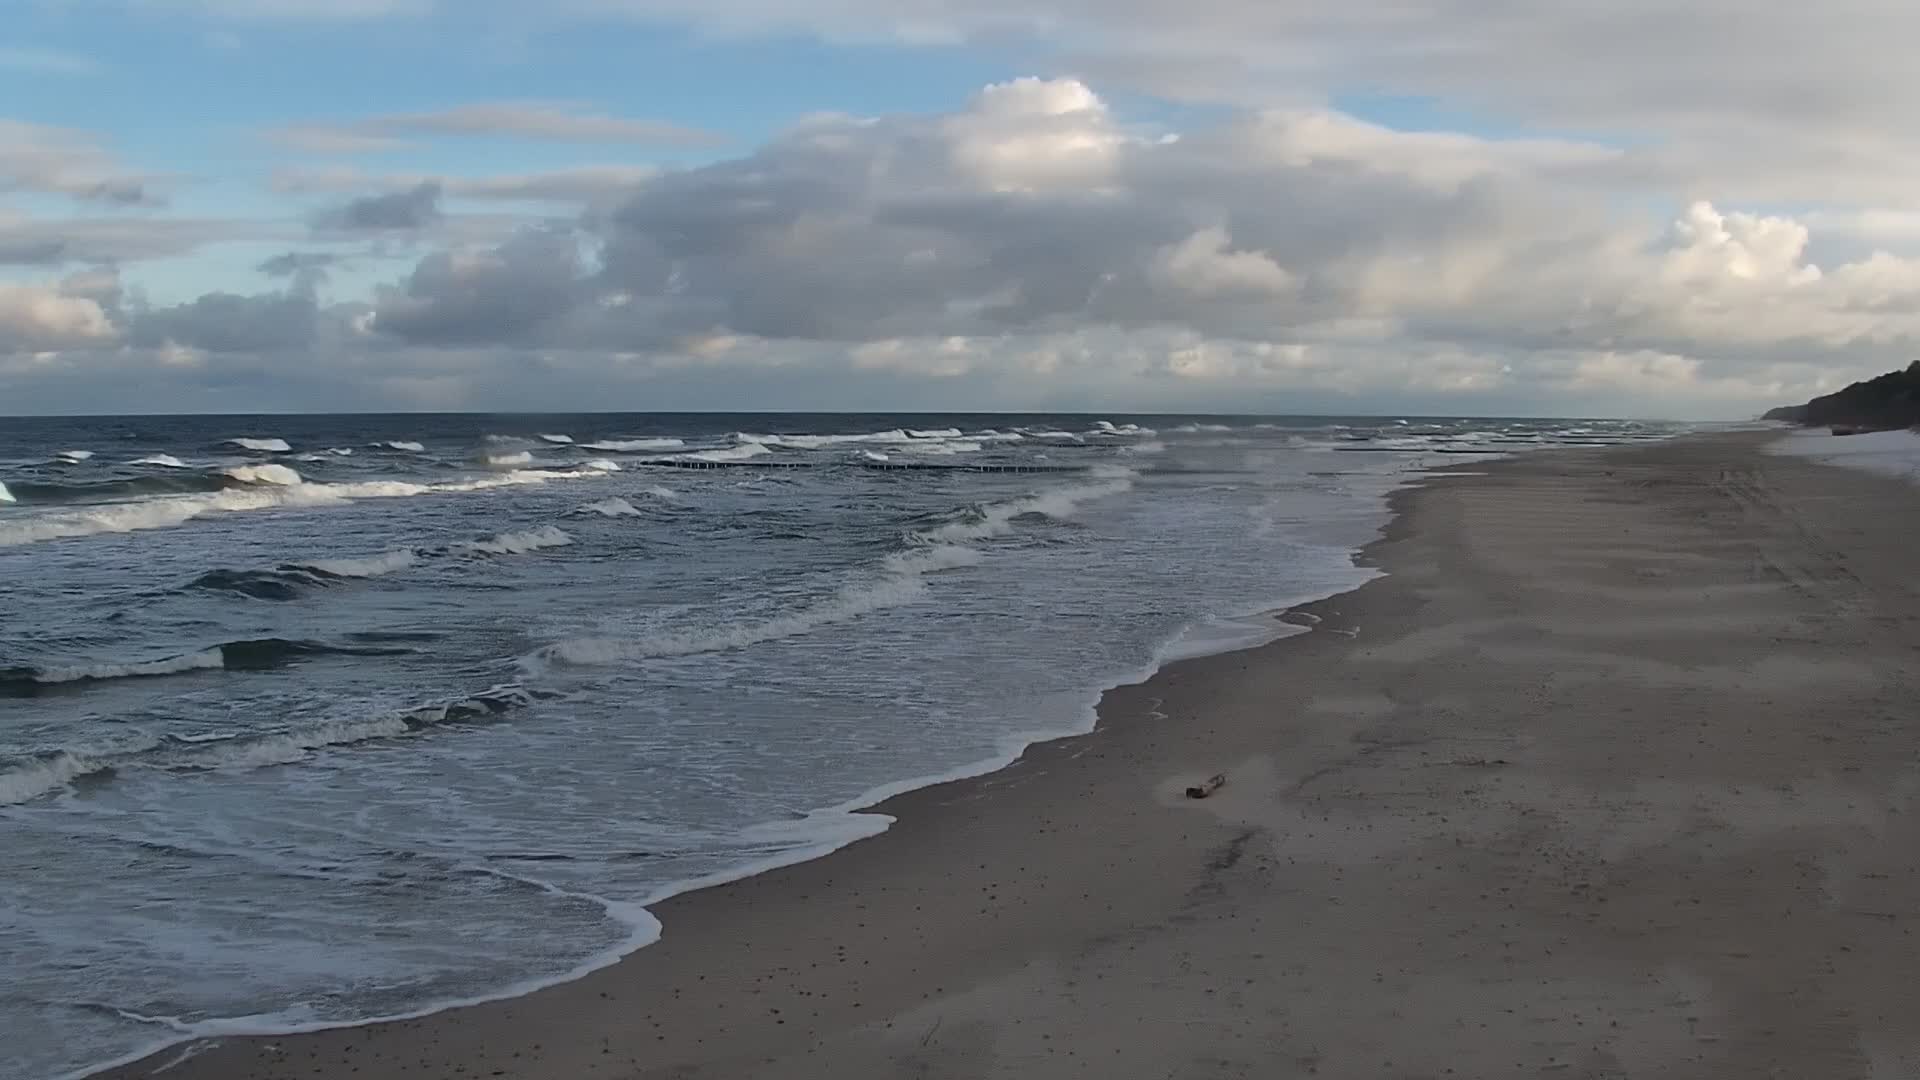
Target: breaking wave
[48, 773]
[404, 445]
[743, 452]
[633, 446]
[164, 460]
[74, 455]
[27, 491]
[518, 543]
[265, 446]
[997, 519]
[259, 490]
[901, 580]
[265, 474]
[256, 655]
[558, 440]
[610, 508]
[508, 461]
[370, 567]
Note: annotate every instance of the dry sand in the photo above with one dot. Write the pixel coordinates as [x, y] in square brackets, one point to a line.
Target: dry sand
[1614, 776]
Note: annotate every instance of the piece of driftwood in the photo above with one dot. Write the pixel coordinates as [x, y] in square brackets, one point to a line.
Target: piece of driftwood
[1202, 790]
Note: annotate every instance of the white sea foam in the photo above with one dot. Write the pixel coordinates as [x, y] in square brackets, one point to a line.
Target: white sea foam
[869, 455]
[599, 465]
[371, 566]
[610, 508]
[633, 446]
[940, 433]
[74, 455]
[271, 446]
[340, 451]
[519, 543]
[561, 440]
[25, 782]
[1195, 429]
[743, 452]
[506, 461]
[164, 460]
[1110, 429]
[5, 495]
[265, 474]
[1151, 446]
[403, 444]
[952, 446]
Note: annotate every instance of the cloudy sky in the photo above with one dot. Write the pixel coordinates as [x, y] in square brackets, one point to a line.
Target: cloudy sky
[1620, 207]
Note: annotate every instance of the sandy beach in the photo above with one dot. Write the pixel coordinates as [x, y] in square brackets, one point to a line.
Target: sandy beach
[1611, 776]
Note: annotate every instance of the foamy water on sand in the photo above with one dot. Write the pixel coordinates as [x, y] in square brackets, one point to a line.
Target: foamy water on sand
[294, 711]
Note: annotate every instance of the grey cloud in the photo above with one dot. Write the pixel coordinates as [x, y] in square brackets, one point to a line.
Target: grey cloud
[63, 161]
[415, 208]
[586, 184]
[230, 323]
[49, 251]
[297, 262]
[500, 296]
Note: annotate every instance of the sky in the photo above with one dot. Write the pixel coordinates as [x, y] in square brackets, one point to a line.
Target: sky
[1458, 207]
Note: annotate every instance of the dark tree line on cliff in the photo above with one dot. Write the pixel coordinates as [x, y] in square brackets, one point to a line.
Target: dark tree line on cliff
[1890, 401]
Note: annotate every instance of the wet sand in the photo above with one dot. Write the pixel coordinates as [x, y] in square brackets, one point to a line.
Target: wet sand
[1613, 776]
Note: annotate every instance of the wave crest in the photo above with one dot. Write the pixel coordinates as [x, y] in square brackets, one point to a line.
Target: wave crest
[902, 581]
[265, 446]
[260, 654]
[610, 508]
[266, 474]
[633, 446]
[32, 779]
[519, 543]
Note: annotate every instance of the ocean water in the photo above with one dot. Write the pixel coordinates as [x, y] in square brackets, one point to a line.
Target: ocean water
[312, 720]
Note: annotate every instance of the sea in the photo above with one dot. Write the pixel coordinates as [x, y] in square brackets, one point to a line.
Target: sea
[312, 720]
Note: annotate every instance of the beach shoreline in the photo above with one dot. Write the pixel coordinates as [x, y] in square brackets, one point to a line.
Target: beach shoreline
[1403, 848]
